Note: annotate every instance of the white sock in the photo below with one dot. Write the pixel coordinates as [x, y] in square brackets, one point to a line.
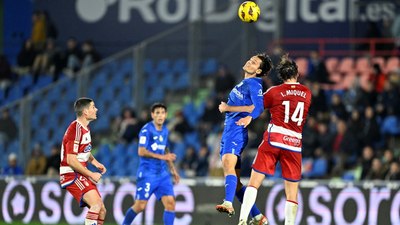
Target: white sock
[249, 199]
[90, 222]
[290, 212]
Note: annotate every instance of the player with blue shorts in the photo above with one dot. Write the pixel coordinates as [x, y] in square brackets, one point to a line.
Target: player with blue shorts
[155, 168]
[245, 100]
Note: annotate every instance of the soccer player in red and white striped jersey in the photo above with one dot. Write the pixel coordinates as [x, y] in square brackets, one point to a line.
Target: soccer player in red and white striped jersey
[75, 155]
[288, 104]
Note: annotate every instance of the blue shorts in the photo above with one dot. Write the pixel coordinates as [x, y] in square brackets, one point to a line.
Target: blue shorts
[234, 140]
[160, 186]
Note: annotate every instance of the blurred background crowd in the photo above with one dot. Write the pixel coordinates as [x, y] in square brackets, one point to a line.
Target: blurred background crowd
[352, 132]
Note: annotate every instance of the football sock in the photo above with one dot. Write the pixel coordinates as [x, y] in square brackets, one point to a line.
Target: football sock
[254, 210]
[230, 187]
[91, 218]
[169, 217]
[100, 222]
[290, 212]
[248, 202]
[129, 217]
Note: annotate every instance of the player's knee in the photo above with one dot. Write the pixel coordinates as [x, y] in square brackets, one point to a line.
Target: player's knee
[96, 206]
[139, 207]
[170, 205]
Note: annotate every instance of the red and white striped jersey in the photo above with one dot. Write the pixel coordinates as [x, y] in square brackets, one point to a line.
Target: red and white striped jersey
[76, 141]
[288, 104]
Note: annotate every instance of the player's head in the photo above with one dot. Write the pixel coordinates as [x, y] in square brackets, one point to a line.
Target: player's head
[158, 113]
[84, 107]
[287, 68]
[259, 65]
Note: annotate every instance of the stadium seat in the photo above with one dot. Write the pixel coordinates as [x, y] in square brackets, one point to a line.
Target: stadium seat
[180, 66]
[392, 64]
[208, 66]
[163, 66]
[302, 65]
[363, 65]
[346, 65]
[331, 64]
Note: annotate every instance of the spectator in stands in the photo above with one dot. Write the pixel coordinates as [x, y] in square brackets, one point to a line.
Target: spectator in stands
[128, 128]
[72, 57]
[8, 128]
[37, 162]
[366, 161]
[319, 105]
[51, 29]
[179, 125]
[355, 125]
[387, 159]
[325, 138]
[224, 81]
[215, 165]
[390, 97]
[38, 34]
[5, 73]
[53, 162]
[26, 57]
[377, 78]
[202, 162]
[376, 171]
[89, 54]
[337, 107]
[367, 96]
[394, 171]
[209, 120]
[48, 62]
[371, 132]
[310, 141]
[12, 168]
[189, 162]
[316, 69]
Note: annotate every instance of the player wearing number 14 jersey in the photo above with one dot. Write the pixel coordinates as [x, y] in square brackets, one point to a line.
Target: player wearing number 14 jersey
[288, 104]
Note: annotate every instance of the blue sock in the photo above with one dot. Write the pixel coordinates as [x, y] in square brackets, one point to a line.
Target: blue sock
[169, 217]
[254, 210]
[230, 187]
[129, 217]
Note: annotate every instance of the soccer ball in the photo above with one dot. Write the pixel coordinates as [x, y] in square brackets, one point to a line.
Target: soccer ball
[249, 12]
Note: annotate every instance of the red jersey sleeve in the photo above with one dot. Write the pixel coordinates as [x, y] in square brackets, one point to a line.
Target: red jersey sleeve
[72, 139]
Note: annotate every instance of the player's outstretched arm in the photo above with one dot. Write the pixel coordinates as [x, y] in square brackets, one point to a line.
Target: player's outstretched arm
[171, 166]
[223, 107]
[97, 164]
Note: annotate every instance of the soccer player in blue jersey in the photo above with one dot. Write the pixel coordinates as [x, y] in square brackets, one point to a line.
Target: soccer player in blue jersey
[245, 100]
[153, 176]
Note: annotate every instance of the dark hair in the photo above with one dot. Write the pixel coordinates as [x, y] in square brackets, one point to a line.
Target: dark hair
[287, 68]
[158, 105]
[265, 65]
[81, 104]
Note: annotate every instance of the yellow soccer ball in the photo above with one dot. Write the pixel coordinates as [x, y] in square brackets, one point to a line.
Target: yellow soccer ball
[249, 12]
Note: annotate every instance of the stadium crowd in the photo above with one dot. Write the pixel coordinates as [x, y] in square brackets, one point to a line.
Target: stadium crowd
[351, 133]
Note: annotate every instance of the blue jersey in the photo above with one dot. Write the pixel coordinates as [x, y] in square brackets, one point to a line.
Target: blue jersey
[247, 92]
[154, 141]
[234, 137]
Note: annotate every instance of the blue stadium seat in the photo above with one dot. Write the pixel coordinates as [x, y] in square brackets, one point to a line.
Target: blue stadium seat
[149, 66]
[209, 66]
[163, 66]
[14, 93]
[180, 66]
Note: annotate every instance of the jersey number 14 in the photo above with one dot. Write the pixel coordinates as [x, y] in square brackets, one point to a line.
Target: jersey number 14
[297, 115]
